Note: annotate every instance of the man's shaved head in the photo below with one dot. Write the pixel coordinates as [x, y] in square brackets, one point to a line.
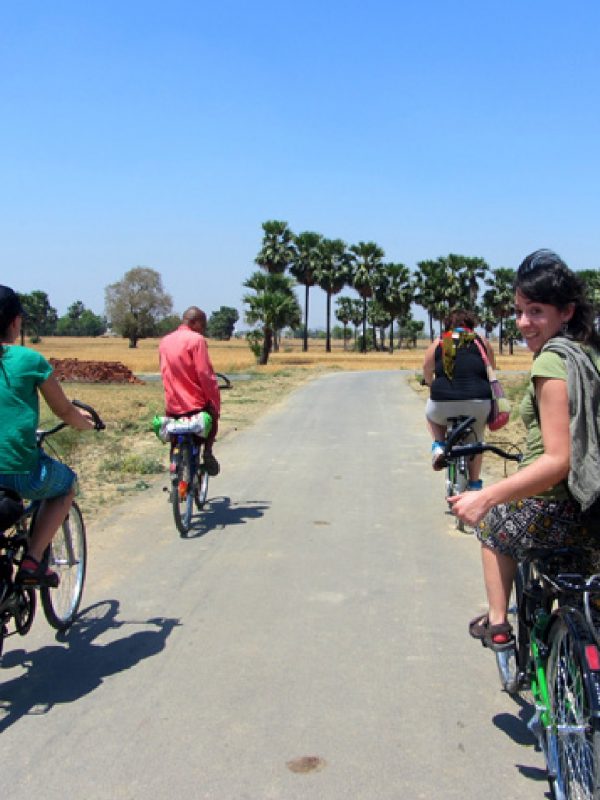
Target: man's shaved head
[195, 319]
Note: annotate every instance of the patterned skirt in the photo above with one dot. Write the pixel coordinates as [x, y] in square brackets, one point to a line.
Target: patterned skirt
[517, 527]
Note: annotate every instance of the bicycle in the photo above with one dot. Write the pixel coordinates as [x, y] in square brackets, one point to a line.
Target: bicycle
[459, 432]
[189, 478]
[555, 656]
[66, 555]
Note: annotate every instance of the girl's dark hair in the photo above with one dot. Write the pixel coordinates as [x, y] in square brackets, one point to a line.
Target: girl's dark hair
[10, 309]
[460, 318]
[545, 278]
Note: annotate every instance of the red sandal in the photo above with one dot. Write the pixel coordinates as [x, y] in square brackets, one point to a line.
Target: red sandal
[32, 573]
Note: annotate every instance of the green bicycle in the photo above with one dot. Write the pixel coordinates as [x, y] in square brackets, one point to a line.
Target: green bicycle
[555, 657]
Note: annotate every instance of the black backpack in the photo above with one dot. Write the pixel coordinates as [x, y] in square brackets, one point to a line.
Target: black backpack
[11, 508]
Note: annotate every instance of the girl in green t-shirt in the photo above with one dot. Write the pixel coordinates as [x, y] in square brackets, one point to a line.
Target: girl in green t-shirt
[532, 507]
[24, 468]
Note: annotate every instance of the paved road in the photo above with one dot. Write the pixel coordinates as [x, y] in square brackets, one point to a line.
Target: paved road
[309, 641]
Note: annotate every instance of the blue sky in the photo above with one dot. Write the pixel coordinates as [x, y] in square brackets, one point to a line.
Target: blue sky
[162, 134]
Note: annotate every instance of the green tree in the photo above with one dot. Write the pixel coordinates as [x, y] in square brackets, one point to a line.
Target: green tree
[591, 279]
[80, 321]
[304, 265]
[357, 318]
[367, 257]
[343, 313]
[378, 318]
[222, 323]
[136, 304]
[273, 305]
[277, 251]
[40, 316]
[511, 334]
[429, 289]
[332, 275]
[499, 298]
[409, 330]
[167, 324]
[394, 291]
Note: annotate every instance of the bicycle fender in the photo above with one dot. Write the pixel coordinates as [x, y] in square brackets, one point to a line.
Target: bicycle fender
[581, 638]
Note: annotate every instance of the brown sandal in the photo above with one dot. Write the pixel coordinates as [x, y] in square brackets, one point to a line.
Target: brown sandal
[33, 573]
[496, 637]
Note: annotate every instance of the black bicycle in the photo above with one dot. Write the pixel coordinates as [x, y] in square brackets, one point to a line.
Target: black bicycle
[189, 478]
[66, 555]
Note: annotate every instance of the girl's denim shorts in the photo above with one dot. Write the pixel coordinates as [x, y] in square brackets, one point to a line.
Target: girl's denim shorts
[49, 478]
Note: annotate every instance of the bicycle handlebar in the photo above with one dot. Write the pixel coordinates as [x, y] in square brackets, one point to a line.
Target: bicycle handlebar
[482, 447]
[453, 451]
[224, 381]
[98, 423]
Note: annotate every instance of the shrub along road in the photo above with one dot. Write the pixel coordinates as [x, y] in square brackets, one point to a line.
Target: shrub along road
[308, 641]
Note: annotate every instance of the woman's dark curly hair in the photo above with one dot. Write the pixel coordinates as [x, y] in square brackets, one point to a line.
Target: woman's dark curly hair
[460, 318]
[543, 277]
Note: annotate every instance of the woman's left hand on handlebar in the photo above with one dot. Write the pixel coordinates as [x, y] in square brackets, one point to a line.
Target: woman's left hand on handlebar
[470, 507]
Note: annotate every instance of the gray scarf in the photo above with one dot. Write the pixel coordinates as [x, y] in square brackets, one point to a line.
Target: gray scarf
[583, 387]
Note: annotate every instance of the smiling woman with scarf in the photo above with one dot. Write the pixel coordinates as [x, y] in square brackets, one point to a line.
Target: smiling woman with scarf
[541, 505]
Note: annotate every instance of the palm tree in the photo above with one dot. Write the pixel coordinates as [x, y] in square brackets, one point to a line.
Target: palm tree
[358, 315]
[395, 293]
[277, 251]
[500, 296]
[367, 257]
[469, 270]
[306, 261]
[591, 279]
[343, 313]
[379, 319]
[332, 275]
[429, 289]
[273, 305]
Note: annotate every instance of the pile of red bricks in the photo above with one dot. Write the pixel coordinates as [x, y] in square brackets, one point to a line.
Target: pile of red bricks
[72, 369]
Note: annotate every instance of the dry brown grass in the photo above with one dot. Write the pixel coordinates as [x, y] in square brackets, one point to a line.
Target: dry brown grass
[235, 355]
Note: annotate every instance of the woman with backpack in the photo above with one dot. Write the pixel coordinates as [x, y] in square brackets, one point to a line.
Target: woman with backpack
[540, 506]
[456, 373]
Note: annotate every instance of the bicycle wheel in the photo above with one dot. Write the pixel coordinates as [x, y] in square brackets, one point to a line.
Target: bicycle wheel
[512, 661]
[67, 555]
[573, 743]
[201, 490]
[182, 493]
[461, 480]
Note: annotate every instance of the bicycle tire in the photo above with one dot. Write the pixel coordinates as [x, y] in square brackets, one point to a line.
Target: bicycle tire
[201, 492]
[512, 662]
[23, 610]
[573, 742]
[182, 499]
[66, 555]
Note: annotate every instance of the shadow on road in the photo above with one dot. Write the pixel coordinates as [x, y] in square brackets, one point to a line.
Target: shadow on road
[65, 672]
[220, 512]
[515, 726]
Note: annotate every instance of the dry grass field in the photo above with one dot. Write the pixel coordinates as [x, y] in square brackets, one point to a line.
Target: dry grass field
[235, 355]
[127, 457]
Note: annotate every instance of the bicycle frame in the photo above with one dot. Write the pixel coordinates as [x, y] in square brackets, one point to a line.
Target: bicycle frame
[537, 623]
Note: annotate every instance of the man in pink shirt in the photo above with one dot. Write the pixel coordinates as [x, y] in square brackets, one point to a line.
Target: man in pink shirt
[188, 377]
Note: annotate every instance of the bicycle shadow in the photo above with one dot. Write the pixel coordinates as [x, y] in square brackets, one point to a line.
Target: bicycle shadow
[220, 512]
[65, 672]
[515, 726]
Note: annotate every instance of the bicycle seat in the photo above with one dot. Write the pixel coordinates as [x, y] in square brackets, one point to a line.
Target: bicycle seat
[11, 508]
